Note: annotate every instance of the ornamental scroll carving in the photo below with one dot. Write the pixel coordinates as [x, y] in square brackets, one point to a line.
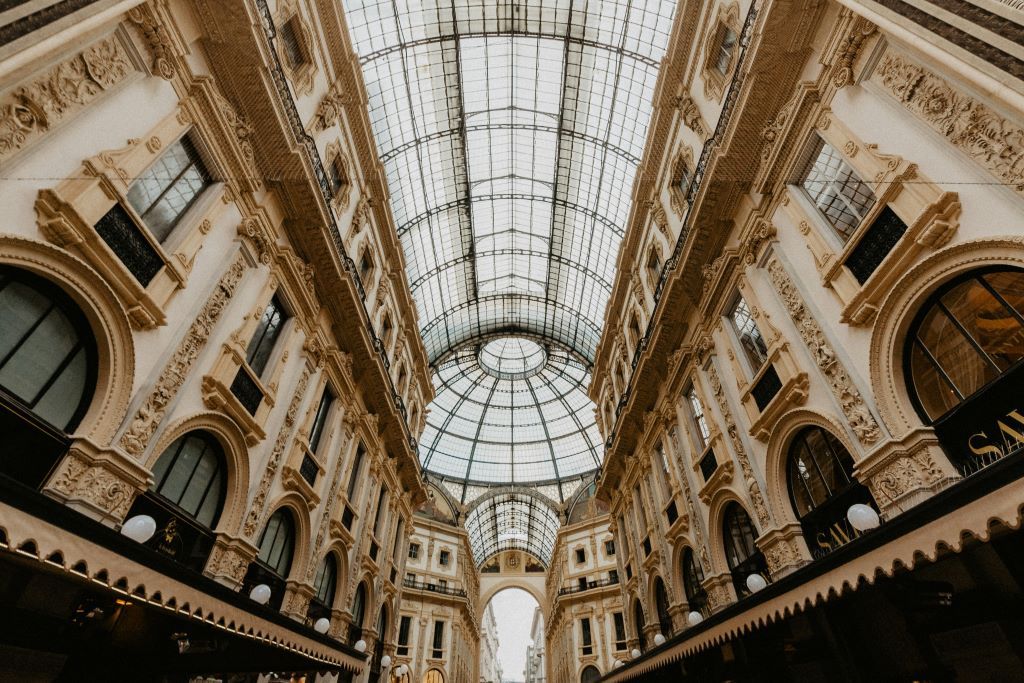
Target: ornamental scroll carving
[152, 411]
[30, 111]
[860, 419]
[991, 140]
[252, 519]
[90, 482]
[753, 488]
[698, 535]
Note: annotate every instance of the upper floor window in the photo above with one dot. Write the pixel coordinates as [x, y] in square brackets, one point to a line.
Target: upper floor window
[970, 334]
[163, 194]
[267, 332]
[190, 475]
[581, 555]
[609, 548]
[653, 265]
[404, 625]
[836, 189]
[620, 631]
[741, 552]
[337, 175]
[749, 336]
[437, 651]
[699, 420]
[358, 610]
[414, 551]
[693, 582]
[320, 421]
[293, 43]
[444, 558]
[47, 353]
[587, 637]
[725, 49]
[353, 477]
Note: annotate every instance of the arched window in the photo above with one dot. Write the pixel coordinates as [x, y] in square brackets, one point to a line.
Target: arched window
[661, 602]
[433, 676]
[378, 648]
[47, 373]
[190, 474]
[590, 674]
[278, 543]
[970, 333]
[822, 488]
[324, 587]
[693, 582]
[355, 631]
[639, 622]
[741, 552]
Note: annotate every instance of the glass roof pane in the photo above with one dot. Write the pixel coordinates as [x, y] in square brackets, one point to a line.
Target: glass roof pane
[510, 135]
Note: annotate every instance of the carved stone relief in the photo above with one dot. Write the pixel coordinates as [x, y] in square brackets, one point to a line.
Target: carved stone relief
[152, 411]
[860, 419]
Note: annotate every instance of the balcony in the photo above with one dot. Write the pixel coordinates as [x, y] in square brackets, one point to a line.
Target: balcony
[434, 588]
[590, 585]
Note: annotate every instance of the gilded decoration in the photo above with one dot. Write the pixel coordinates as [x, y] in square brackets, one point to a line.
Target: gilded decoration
[252, 519]
[987, 137]
[47, 99]
[152, 411]
[856, 412]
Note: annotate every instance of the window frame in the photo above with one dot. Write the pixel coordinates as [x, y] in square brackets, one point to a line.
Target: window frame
[221, 463]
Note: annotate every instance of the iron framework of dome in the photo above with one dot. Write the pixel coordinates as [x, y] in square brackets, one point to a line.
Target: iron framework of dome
[510, 134]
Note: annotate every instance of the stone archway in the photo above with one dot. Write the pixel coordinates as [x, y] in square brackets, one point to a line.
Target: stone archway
[492, 585]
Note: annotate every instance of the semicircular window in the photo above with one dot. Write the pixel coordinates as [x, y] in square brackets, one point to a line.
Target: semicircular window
[970, 334]
[324, 587]
[274, 559]
[822, 488]
[693, 582]
[47, 373]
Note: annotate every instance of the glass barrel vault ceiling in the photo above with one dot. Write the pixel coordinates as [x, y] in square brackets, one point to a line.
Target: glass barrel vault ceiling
[510, 133]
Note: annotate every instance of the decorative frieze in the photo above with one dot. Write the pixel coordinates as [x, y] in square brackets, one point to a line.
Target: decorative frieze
[99, 482]
[987, 137]
[152, 411]
[252, 519]
[49, 98]
[860, 419]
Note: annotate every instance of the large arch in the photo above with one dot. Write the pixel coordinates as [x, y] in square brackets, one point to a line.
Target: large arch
[236, 454]
[489, 588]
[777, 457]
[898, 310]
[716, 515]
[107, 319]
[493, 524]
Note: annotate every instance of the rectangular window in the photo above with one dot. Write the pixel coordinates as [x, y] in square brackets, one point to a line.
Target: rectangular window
[699, 421]
[613, 576]
[444, 558]
[291, 41]
[836, 189]
[581, 555]
[588, 639]
[320, 420]
[337, 175]
[381, 499]
[399, 531]
[353, 478]
[581, 583]
[620, 631]
[267, 332]
[442, 584]
[664, 476]
[609, 548]
[749, 336]
[165, 191]
[410, 577]
[886, 230]
[438, 644]
[726, 47]
[403, 635]
[125, 238]
[414, 551]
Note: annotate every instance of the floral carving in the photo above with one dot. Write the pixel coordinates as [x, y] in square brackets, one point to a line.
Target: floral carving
[283, 436]
[36, 107]
[152, 411]
[753, 488]
[993, 141]
[93, 484]
[842, 69]
[157, 39]
[860, 419]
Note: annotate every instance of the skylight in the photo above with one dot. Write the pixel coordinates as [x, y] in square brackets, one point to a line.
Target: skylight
[510, 134]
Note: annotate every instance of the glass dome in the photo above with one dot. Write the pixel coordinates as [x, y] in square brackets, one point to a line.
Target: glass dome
[511, 411]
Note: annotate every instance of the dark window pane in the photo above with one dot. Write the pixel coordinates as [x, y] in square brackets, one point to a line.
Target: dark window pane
[965, 367]
[936, 394]
[167, 189]
[293, 52]
[875, 245]
[263, 340]
[988, 321]
[189, 474]
[119, 231]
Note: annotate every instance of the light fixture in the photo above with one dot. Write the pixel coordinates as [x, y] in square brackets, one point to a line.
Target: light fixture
[694, 618]
[635, 653]
[756, 582]
[659, 639]
[385, 661]
[360, 645]
[862, 517]
[322, 624]
[139, 528]
[260, 593]
[617, 664]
